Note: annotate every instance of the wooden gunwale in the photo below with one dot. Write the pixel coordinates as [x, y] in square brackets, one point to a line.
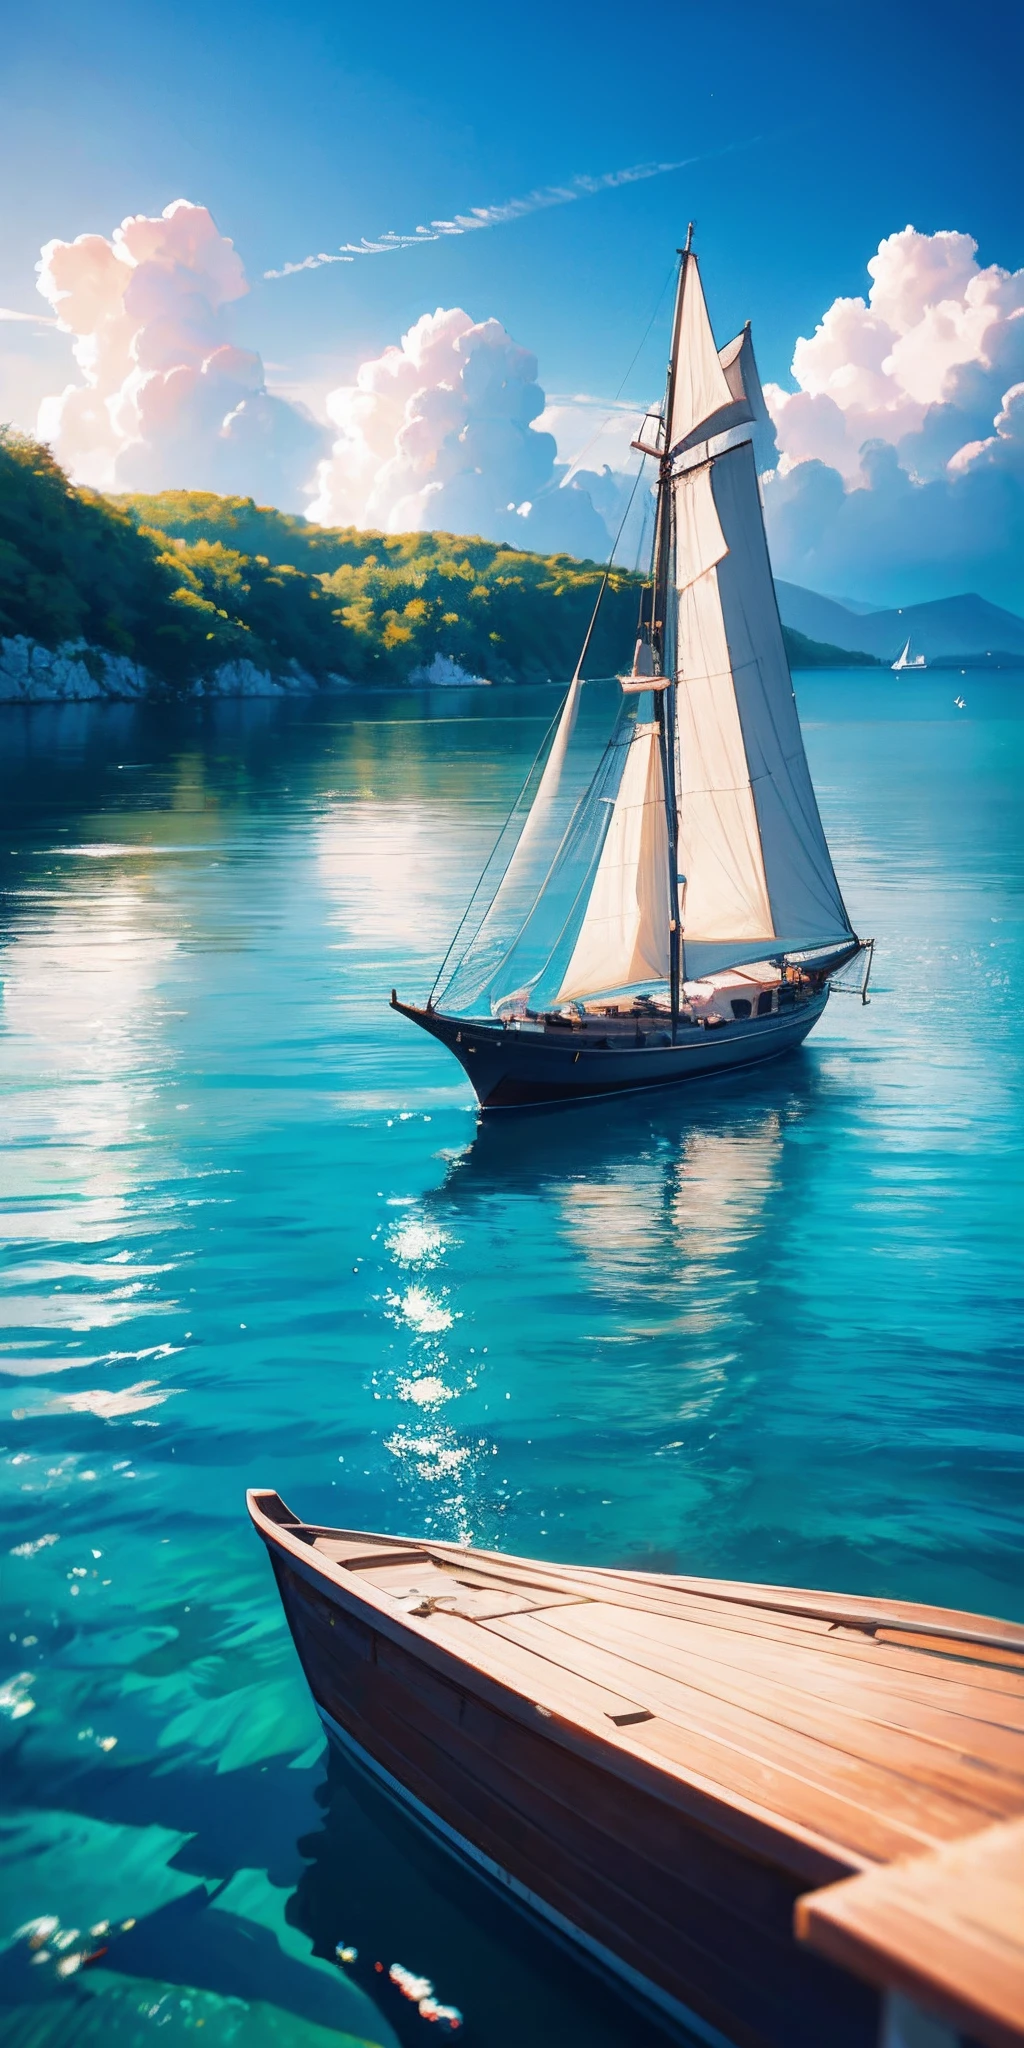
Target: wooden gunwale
[911, 1673]
[795, 1601]
[826, 1661]
[908, 1672]
[895, 1675]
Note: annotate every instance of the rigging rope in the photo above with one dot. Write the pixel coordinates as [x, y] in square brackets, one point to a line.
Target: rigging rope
[533, 765]
[608, 570]
[599, 430]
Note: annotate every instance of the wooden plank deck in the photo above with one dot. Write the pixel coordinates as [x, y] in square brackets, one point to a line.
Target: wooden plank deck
[884, 1748]
[670, 1763]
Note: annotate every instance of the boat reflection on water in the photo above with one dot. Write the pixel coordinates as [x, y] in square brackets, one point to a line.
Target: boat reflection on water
[664, 1193]
[377, 1884]
[663, 1219]
[699, 1199]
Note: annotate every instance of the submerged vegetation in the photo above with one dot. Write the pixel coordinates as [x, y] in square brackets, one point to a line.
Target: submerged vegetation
[184, 581]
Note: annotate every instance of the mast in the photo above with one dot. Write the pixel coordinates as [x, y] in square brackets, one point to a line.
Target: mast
[666, 698]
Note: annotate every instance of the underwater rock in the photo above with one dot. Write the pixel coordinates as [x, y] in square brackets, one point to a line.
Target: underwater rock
[103, 2008]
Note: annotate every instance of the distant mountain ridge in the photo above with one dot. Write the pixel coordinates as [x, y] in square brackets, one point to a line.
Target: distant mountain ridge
[966, 625]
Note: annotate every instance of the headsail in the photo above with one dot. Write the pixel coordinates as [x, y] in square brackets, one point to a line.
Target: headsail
[524, 929]
[623, 940]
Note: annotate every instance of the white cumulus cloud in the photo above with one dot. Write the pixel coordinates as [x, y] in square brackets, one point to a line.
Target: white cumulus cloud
[901, 453]
[166, 398]
[441, 432]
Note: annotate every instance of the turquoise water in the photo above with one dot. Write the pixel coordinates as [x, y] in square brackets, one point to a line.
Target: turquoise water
[769, 1328]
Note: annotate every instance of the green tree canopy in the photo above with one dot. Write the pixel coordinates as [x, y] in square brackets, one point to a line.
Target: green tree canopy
[184, 581]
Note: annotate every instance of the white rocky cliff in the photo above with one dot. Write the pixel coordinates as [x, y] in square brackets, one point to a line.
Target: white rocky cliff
[77, 673]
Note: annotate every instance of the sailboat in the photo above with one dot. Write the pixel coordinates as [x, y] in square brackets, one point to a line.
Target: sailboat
[908, 660]
[662, 903]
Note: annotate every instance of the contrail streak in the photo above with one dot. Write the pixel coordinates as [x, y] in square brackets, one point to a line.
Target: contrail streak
[497, 216]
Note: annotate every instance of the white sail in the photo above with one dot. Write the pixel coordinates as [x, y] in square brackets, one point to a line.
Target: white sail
[624, 935]
[706, 397]
[509, 943]
[908, 660]
[741, 374]
[700, 542]
[724, 894]
[544, 823]
[757, 868]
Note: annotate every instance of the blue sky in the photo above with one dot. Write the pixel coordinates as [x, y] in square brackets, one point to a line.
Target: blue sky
[818, 130]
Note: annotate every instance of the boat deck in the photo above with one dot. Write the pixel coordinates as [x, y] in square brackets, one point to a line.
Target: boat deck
[874, 1730]
[668, 1768]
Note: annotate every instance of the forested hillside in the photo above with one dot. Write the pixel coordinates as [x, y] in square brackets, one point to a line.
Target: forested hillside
[184, 581]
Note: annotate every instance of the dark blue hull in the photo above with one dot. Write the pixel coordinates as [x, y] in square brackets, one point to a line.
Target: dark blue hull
[526, 1066]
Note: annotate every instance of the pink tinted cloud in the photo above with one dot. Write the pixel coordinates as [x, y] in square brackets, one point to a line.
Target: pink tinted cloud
[166, 397]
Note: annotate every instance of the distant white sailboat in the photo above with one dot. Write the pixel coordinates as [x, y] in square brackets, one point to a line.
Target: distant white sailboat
[908, 660]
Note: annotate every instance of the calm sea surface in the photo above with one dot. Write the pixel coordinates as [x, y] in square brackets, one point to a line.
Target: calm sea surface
[769, 1328]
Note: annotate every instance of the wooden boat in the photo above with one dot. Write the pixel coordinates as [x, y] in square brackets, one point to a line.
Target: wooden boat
[661, 904]
[669, 1769]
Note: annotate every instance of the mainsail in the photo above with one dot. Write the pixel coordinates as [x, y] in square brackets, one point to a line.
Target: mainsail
[752, 847]
[693, 843]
